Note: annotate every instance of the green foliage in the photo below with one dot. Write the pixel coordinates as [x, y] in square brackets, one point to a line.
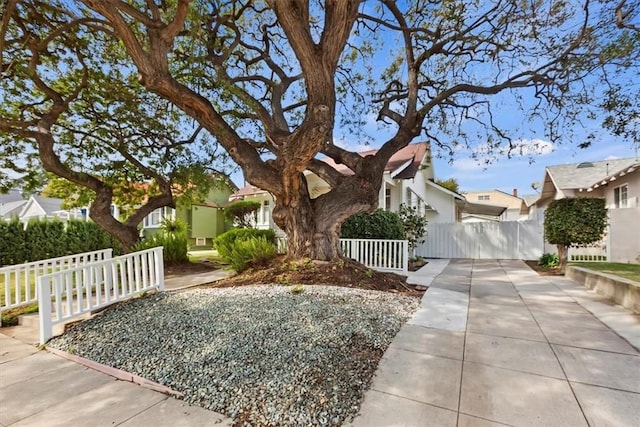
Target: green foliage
[415, 225]
[575, 221]
[242, 212]
[450, 184]
[255, 251]
[243, 246]
[297, 290]
[379, 225]
[174, 239]
[549, 260]
[44, 239]
[13, 243]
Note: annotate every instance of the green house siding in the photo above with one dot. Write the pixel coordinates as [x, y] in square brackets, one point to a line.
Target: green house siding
[206, 221]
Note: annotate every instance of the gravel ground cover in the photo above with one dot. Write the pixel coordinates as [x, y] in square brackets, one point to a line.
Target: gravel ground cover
[263, 355]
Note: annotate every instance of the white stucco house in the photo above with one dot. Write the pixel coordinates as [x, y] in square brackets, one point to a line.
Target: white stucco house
[11, 204]
[408, 178]
[618, 181]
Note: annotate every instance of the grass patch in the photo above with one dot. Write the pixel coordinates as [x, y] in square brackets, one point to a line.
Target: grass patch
[10, 317]
[12, 287]
[628, 271]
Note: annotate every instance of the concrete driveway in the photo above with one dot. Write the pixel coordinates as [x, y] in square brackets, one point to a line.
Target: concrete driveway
[494, 343]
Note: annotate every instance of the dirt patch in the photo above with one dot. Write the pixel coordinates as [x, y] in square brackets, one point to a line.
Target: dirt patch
[417, 264]
[185, 268]
[341, 272]
[542, 270]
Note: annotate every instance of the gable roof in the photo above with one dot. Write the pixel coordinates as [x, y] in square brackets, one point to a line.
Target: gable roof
[7, 210]
[11, 196]
[586, 174]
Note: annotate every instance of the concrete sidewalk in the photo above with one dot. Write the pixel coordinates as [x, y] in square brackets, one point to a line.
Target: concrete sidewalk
[38, 388]
[494, 343]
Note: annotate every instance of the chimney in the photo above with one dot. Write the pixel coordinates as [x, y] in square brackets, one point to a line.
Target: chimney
[515, 192]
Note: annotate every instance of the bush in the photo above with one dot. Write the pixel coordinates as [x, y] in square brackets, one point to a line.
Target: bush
[549, 260]
[173, 238]
[13, 241]
[379, 225]
[255, 251]
[243, 246]
[415, 225]
[43, 239]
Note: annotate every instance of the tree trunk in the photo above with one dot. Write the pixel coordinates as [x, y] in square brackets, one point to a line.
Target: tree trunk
[127, 235]
[563, 252]
[313, 225]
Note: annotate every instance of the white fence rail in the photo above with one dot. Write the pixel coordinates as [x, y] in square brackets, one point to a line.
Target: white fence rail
[70, 293]
[484, 240]
[384, 255]
[19, 281]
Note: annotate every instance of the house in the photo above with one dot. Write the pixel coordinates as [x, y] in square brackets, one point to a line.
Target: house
[11, 204]
[47, 207]
[408, 178]
[511, 204]
[205, 219]
[618, 182]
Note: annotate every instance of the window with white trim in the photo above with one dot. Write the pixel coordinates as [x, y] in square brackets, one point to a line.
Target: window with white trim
[387, 199]
[620, 196]
[201, 241]
[484, 197]
[154, 219]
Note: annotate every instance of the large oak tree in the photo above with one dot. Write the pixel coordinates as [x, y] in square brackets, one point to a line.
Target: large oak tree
[274, 81]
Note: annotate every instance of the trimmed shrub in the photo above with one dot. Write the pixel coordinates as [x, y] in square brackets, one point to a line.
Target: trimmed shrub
[379, 225]
[13, 248]
[45, 239]
[242, 212]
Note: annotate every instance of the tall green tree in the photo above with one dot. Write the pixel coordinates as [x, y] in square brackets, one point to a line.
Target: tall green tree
[274, 81]
[72, 105]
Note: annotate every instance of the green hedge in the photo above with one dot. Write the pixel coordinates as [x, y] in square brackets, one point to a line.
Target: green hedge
[379, 225]
[44, 239]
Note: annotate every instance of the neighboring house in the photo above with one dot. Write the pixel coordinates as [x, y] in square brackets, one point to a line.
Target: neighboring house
[46, 207]
[511, 204]
[618, 181]
[205, 220]
[408, 178]
[11, 204]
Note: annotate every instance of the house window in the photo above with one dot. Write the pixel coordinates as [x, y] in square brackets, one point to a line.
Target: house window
[620, 196]
[154, 219]
[387, 199]
[409, 197]
[483, 197]
[201, 241]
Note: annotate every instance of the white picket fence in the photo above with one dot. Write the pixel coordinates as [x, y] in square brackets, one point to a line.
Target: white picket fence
[67, 294]
[383, 255]
[484, 240]
[19, 281]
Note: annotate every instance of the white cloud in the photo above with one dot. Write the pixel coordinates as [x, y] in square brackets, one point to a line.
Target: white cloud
[467, 164]
[529, 147]
[352, 146]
